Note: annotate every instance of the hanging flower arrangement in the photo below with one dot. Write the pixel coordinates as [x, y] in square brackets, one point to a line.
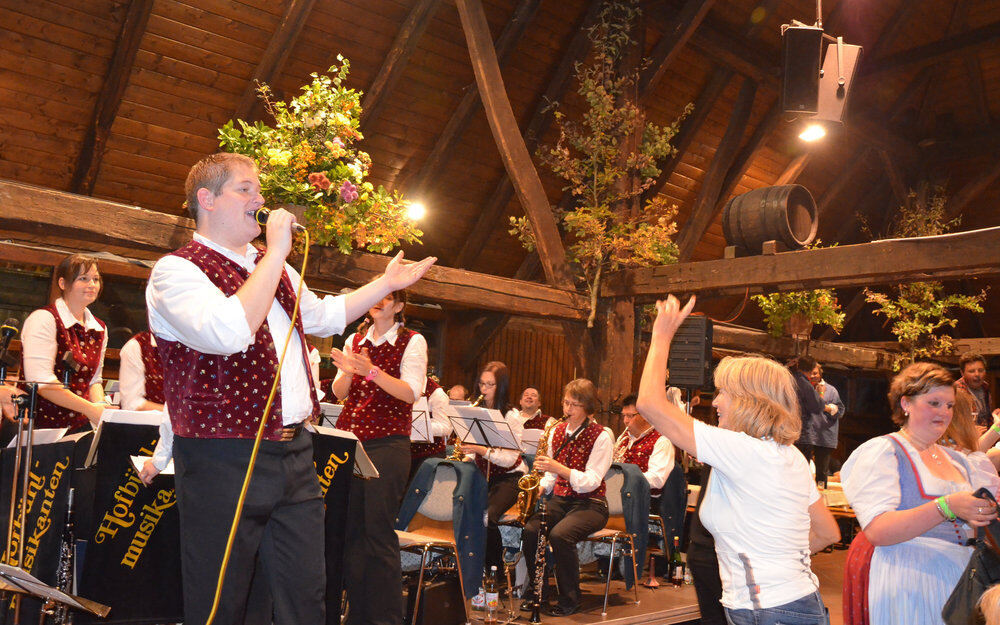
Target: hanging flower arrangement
[309, 158]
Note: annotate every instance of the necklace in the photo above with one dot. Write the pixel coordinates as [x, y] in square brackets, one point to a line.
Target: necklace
[931, 450]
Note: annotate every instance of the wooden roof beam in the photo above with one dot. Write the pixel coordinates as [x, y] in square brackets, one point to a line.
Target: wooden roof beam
[513, 151]
[28, 211]
[272, 63]
[973, 189]
[751, 341]
[703, 211]
[850, 311]
[395, 61]
[951, 256]
[489, 218]
[935, 52]
[467, 107]
[88, 162]
[676, 35]
[746, 154]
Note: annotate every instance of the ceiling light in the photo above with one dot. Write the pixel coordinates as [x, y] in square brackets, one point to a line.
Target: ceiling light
[416, 211]
[813, 132]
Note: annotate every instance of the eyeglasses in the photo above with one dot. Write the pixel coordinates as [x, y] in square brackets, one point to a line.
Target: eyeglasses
[572, 404]
[629, 415]
[487, 384]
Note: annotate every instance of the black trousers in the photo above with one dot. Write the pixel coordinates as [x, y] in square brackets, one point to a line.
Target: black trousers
[704, 567]
[282, 520]
[372, 573]
[502, 495]
[819, 455]
[569, 521]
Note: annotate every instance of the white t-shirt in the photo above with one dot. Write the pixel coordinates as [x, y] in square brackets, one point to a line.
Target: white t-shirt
[757, 509]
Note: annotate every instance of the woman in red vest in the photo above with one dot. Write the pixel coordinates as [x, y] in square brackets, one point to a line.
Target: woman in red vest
[140, 374]
[579, 455]
[66, 336]
[381, 372]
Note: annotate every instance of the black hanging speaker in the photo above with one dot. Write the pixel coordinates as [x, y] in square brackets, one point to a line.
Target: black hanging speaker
[690, 361]
[802, 53]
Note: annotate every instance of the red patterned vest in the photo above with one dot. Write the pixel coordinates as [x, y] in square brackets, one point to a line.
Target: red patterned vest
[152, 367]
[214, 396]
[575, 455]
[85, 345]
[537, 422]
[639, 453]
[427, 450]
[369, 411]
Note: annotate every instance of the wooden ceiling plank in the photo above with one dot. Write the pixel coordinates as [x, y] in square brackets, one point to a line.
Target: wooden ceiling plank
[92, 223]
[395, 61]
[935, 52]
[675, 37]
[975, 71]
[794, 169]
[513, 152]
[757, 342]
[746, 154]
[897, 179]
[272, 63]
[973, 189]
[88, 163]
[489, 218]
[458, 122]
[952, 256]
[703, 211]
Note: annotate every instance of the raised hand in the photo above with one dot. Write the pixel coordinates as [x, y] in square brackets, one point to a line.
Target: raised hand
[670, 315]
[355, 363]
[399, 276]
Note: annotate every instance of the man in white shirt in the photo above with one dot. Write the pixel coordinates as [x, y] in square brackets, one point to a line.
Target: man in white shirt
[220, 313]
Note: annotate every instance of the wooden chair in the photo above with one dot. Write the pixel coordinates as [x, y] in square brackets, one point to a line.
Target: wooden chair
[432, 531]
[616, 534]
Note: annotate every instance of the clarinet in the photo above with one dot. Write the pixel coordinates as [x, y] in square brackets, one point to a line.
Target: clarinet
[61, 614]
[543, 546]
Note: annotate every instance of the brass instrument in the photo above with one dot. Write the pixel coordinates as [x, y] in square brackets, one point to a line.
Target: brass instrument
[529, 483]
[457, 455]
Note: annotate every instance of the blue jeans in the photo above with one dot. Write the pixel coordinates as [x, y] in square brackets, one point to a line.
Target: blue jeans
[808, 610]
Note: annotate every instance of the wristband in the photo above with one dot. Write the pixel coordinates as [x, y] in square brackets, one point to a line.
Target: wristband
[371, 374]
[942, 505]
[995, 428]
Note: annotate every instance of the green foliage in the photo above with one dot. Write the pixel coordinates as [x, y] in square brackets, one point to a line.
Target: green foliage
[819, 306]
[309, 158]
[607, 159]
[919, 313]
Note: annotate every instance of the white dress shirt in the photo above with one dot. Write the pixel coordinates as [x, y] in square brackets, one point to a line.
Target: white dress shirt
[438, 404]
[661, 459]
[412, 366]
[132, 375]
[185, 306]
[597, 466]
[39, 343]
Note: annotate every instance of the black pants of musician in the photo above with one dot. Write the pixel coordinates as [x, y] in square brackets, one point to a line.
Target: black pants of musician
[502, 495]
[819, 455]
[282, 520]
[569, 520]
[372, 573]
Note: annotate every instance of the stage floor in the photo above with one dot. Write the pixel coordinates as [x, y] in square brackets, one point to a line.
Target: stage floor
[669, 605]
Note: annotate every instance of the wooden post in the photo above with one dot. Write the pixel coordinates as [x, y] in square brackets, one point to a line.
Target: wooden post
[615, 361]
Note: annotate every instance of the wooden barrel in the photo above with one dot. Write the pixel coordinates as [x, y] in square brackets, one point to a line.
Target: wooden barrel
[786, 214]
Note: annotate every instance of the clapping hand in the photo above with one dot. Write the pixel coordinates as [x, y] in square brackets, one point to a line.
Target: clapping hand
[399, 276]
[354, 363]
[670, 315]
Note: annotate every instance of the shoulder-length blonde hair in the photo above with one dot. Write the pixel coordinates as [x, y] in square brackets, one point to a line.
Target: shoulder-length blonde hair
[763, 399]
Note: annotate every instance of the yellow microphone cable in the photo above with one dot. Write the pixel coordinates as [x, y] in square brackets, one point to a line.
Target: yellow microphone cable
[257, 439]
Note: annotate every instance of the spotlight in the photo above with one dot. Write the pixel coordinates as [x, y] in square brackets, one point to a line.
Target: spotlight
[416, 211]
[813, 132]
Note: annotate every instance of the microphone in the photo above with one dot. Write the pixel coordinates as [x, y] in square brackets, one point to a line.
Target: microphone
[72, 366]
[7, 331]
[261, 215]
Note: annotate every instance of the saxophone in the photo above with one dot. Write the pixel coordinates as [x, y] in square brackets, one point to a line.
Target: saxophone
[529, 484]
[457, 455]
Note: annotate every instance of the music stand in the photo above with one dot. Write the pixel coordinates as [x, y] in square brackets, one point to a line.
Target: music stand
[329, 413]
[18, 581]
[483, 426]
[420, 425]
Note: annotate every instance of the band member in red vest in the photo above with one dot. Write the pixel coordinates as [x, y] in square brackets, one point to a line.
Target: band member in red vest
[221, 311]
[140, 374]
[502, 467]
[63, 336]
[640, 444]
[381, 372]
[580, 452]
[437, 401]
[530, 414]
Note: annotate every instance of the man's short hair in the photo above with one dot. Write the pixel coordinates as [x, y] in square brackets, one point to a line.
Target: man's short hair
[629, 400]
[969, 358]
[211, 173]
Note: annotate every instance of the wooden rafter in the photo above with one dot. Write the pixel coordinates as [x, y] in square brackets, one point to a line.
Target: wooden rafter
[896, 176]
[395, 61]
[489, 218]
[513, 152]
[848, 175]
[935, 52]
[89, 223]
[973, 189]
[703, 211]
[675, 36]
[88, 162]
[794, 169]
[751, 341]
[746, 154]
[469, 105]
[272, 63]
[952, 256]
[850, 311]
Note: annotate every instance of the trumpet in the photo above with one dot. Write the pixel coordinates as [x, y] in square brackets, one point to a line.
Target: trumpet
[530, 482]
[457, 455]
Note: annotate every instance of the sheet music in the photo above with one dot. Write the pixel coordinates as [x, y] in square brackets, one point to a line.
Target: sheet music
[482, 426]
[329, 413]
[420, 430]
[42, 436]
[130, 417]
[529, 440]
